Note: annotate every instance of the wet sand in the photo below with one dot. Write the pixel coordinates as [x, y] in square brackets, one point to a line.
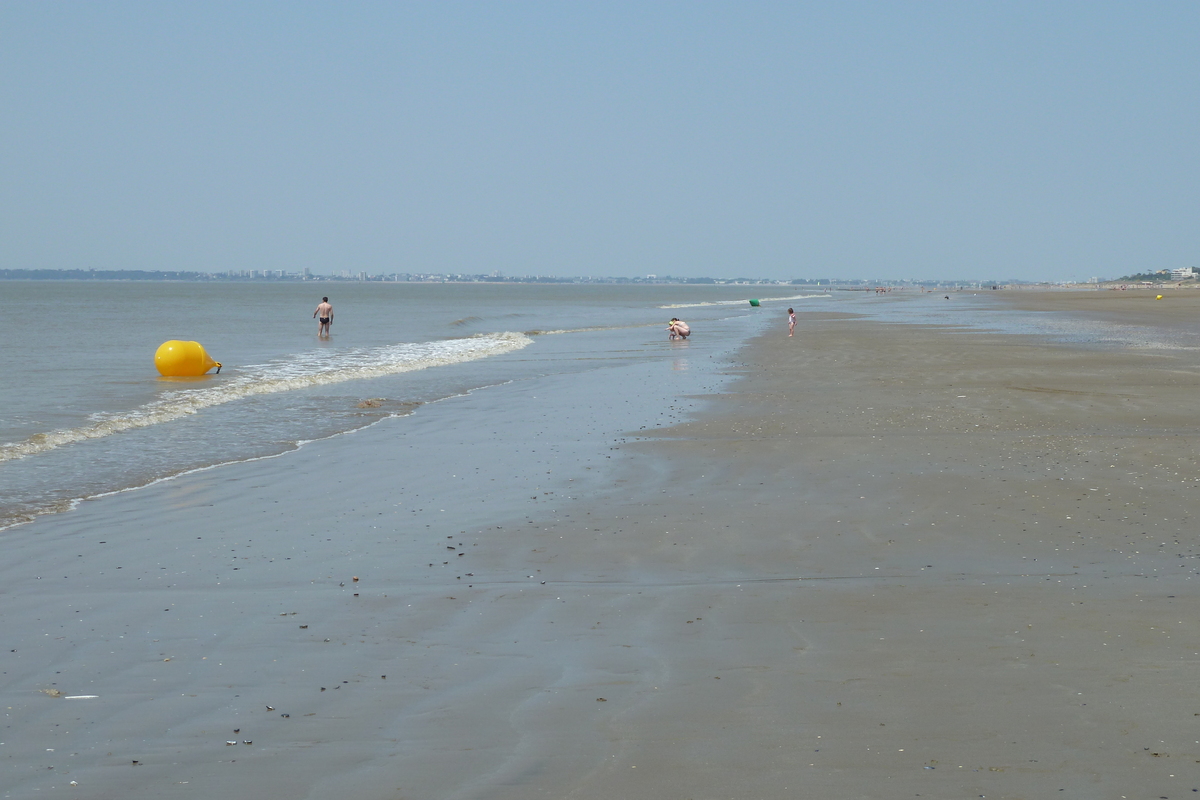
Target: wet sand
[892, 561]
[936, 549]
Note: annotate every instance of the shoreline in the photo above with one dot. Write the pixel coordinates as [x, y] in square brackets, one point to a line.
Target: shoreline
[99, 390]
[888, 559]
[167, 580]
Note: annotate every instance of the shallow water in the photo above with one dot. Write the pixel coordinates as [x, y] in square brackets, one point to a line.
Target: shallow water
[987, 311]
[85, 413]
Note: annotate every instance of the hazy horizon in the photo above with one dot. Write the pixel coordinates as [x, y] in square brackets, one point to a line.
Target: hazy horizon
[896, 141]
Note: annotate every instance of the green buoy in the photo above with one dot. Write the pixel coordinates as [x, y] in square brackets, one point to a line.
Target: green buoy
[754, 303]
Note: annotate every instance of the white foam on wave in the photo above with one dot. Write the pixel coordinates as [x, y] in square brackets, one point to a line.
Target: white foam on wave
[569, 330]
[743, 302]
[302, 371]
[592, 329]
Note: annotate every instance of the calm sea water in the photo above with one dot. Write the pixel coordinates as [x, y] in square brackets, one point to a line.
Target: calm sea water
[83, 411]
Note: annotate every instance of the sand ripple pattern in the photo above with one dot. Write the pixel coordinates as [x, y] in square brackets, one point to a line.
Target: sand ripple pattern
[302, 371]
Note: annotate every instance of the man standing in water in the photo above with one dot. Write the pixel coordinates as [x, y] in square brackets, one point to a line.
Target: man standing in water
[325, 312]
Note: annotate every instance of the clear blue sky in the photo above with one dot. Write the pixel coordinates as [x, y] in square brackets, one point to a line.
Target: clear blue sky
[1039, 140]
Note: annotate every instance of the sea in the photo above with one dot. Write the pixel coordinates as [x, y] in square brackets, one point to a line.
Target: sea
[84, 413]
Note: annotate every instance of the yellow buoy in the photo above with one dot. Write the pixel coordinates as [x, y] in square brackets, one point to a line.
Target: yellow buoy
[1159, 297]
[183, 359]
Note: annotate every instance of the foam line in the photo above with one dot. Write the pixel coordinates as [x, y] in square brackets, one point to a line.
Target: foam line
[743, 302]
[302, 371]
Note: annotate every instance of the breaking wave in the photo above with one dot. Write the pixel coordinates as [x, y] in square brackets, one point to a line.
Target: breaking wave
[743, 302]
[301, 371]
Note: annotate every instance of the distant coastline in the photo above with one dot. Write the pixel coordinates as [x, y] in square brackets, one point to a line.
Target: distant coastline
[1164, 280]
[282, 276]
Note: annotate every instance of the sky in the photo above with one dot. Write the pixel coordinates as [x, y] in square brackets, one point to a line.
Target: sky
[879, 140]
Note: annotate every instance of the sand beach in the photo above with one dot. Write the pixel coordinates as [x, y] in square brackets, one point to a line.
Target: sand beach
[887, 560]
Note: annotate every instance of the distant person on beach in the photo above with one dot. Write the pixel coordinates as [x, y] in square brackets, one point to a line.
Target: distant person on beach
[325, 313]
[678, 329]
[791, 321]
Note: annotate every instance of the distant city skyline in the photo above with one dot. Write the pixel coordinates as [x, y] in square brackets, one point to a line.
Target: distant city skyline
[861, 140]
